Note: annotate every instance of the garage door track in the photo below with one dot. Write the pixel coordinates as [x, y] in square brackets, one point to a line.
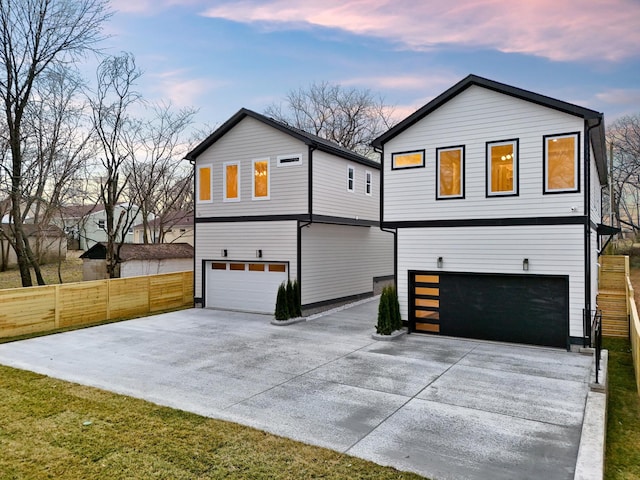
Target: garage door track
[444, 408]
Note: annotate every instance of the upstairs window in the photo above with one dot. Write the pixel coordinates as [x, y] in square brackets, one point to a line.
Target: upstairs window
[204, 181]
[450, 172]
[502, 168]
[561, 171]
[102, 224]
[231, 182]
[289, 160]
[351, 175]
[367, 182]
[402, 160]
[261, 179]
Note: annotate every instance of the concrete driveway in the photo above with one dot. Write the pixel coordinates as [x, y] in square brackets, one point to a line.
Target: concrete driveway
[441, 407]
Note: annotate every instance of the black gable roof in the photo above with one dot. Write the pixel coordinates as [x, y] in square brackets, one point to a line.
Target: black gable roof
[308, 138]
[594, 118]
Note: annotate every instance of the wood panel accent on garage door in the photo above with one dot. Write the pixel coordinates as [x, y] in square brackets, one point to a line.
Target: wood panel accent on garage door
[529, 309]
[425, 304]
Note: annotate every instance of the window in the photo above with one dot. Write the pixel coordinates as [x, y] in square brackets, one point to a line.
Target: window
[205, 183]
[502, 168]
[261, 179]
[450, 172]
[351, 175]
[102, 224]
[561, 153]
[277, 267]
[289, 160]
[407, 160]
[367, 183]
[231, 182]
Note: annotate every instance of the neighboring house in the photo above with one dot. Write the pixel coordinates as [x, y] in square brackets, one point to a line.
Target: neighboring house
[175, 226]
[495, 193]
[274, 203]
[48, 243]
[138, 259]
[86, 225]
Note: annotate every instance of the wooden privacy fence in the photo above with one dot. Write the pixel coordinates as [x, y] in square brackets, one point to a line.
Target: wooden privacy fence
[41, 309]
[634, 331]
[612, 295]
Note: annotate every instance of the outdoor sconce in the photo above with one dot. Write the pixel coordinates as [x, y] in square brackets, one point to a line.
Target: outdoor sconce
[439, 262]
[525, 264]
[224, 252]
[258, 253]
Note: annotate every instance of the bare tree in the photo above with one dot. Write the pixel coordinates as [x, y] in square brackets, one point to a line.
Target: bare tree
[623, 138]
[36, 35]
[350, 117]
[117, 131]
[157, 173]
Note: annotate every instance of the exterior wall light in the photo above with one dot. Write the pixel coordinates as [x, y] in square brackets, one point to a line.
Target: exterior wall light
[440, 262]
[525, 264]
[224, 252]
[258, 253]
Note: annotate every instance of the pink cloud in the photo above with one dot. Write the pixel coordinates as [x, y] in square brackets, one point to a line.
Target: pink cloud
[560, 30]
[177, 87]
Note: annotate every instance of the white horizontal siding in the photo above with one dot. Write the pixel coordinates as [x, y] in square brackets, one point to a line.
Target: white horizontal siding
[330, 195]
[252, 140]
[339, 261]
[277, 240]
[134, 268]
[472, 118]
[551, 250]
[596, 192]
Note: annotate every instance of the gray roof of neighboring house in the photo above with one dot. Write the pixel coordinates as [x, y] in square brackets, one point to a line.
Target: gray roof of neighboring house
[593, 118]
[142, 251]
[308, 138]
[172, 220]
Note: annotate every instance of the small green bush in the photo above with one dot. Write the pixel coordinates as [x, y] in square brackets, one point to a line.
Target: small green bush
[292, 303]
[389, 318]
[282, 304]
[296, 292]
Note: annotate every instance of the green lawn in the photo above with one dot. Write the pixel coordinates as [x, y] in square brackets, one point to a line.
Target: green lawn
[622, 460]
[55, 429]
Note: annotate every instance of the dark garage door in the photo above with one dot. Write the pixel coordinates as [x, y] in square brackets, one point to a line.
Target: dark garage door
[508, 308]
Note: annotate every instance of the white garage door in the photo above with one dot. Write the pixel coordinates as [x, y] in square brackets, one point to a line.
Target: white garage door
[246, 286]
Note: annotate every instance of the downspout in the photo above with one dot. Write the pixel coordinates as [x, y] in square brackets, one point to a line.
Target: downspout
[587, 223]
[192, 161]
[301, 225]
[394, 232]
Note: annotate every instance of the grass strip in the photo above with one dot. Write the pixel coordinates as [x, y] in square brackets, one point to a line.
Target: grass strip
[55, 429]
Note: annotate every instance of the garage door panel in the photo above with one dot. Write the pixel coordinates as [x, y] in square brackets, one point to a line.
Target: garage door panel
[511, 308]
[246, 286]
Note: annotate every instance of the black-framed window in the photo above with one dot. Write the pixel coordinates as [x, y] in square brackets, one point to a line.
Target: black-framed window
[450, 172]
[502, 168]
[561, 163]
[351, 176]
[368, 176]
[402, 160]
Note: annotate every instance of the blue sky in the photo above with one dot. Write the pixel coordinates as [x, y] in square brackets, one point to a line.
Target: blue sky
[220, 55]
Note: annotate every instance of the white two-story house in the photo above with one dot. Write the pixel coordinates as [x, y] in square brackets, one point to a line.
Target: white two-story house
[274, 203]
[495, 194]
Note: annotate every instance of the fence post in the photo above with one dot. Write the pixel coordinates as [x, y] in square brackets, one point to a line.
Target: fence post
[56, 306]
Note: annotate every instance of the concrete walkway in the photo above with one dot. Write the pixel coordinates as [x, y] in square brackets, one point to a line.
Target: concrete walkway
[444, 408]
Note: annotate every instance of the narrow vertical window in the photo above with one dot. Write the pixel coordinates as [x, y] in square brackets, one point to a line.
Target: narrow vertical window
[502, 168]
[367, 182]
[351, 174]
[561, 171]
[204, 182]
[261, 179]
[450, 172]
[231, 182]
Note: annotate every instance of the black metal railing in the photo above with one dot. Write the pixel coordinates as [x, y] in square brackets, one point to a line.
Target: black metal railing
[596, 338]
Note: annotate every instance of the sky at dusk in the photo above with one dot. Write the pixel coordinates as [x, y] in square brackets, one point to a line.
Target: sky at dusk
[220, 55]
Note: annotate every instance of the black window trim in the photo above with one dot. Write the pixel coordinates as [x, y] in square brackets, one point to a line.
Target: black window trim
[516, 164]
[462, 173]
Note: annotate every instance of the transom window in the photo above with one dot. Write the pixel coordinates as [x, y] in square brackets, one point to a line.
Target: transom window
[289, 160]
[351, 174]
[367, 182]
[502, 168]
[402, 160]
[450, 172]
[205, 182]
[561, 171]
[231, 182]
[261, 179]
